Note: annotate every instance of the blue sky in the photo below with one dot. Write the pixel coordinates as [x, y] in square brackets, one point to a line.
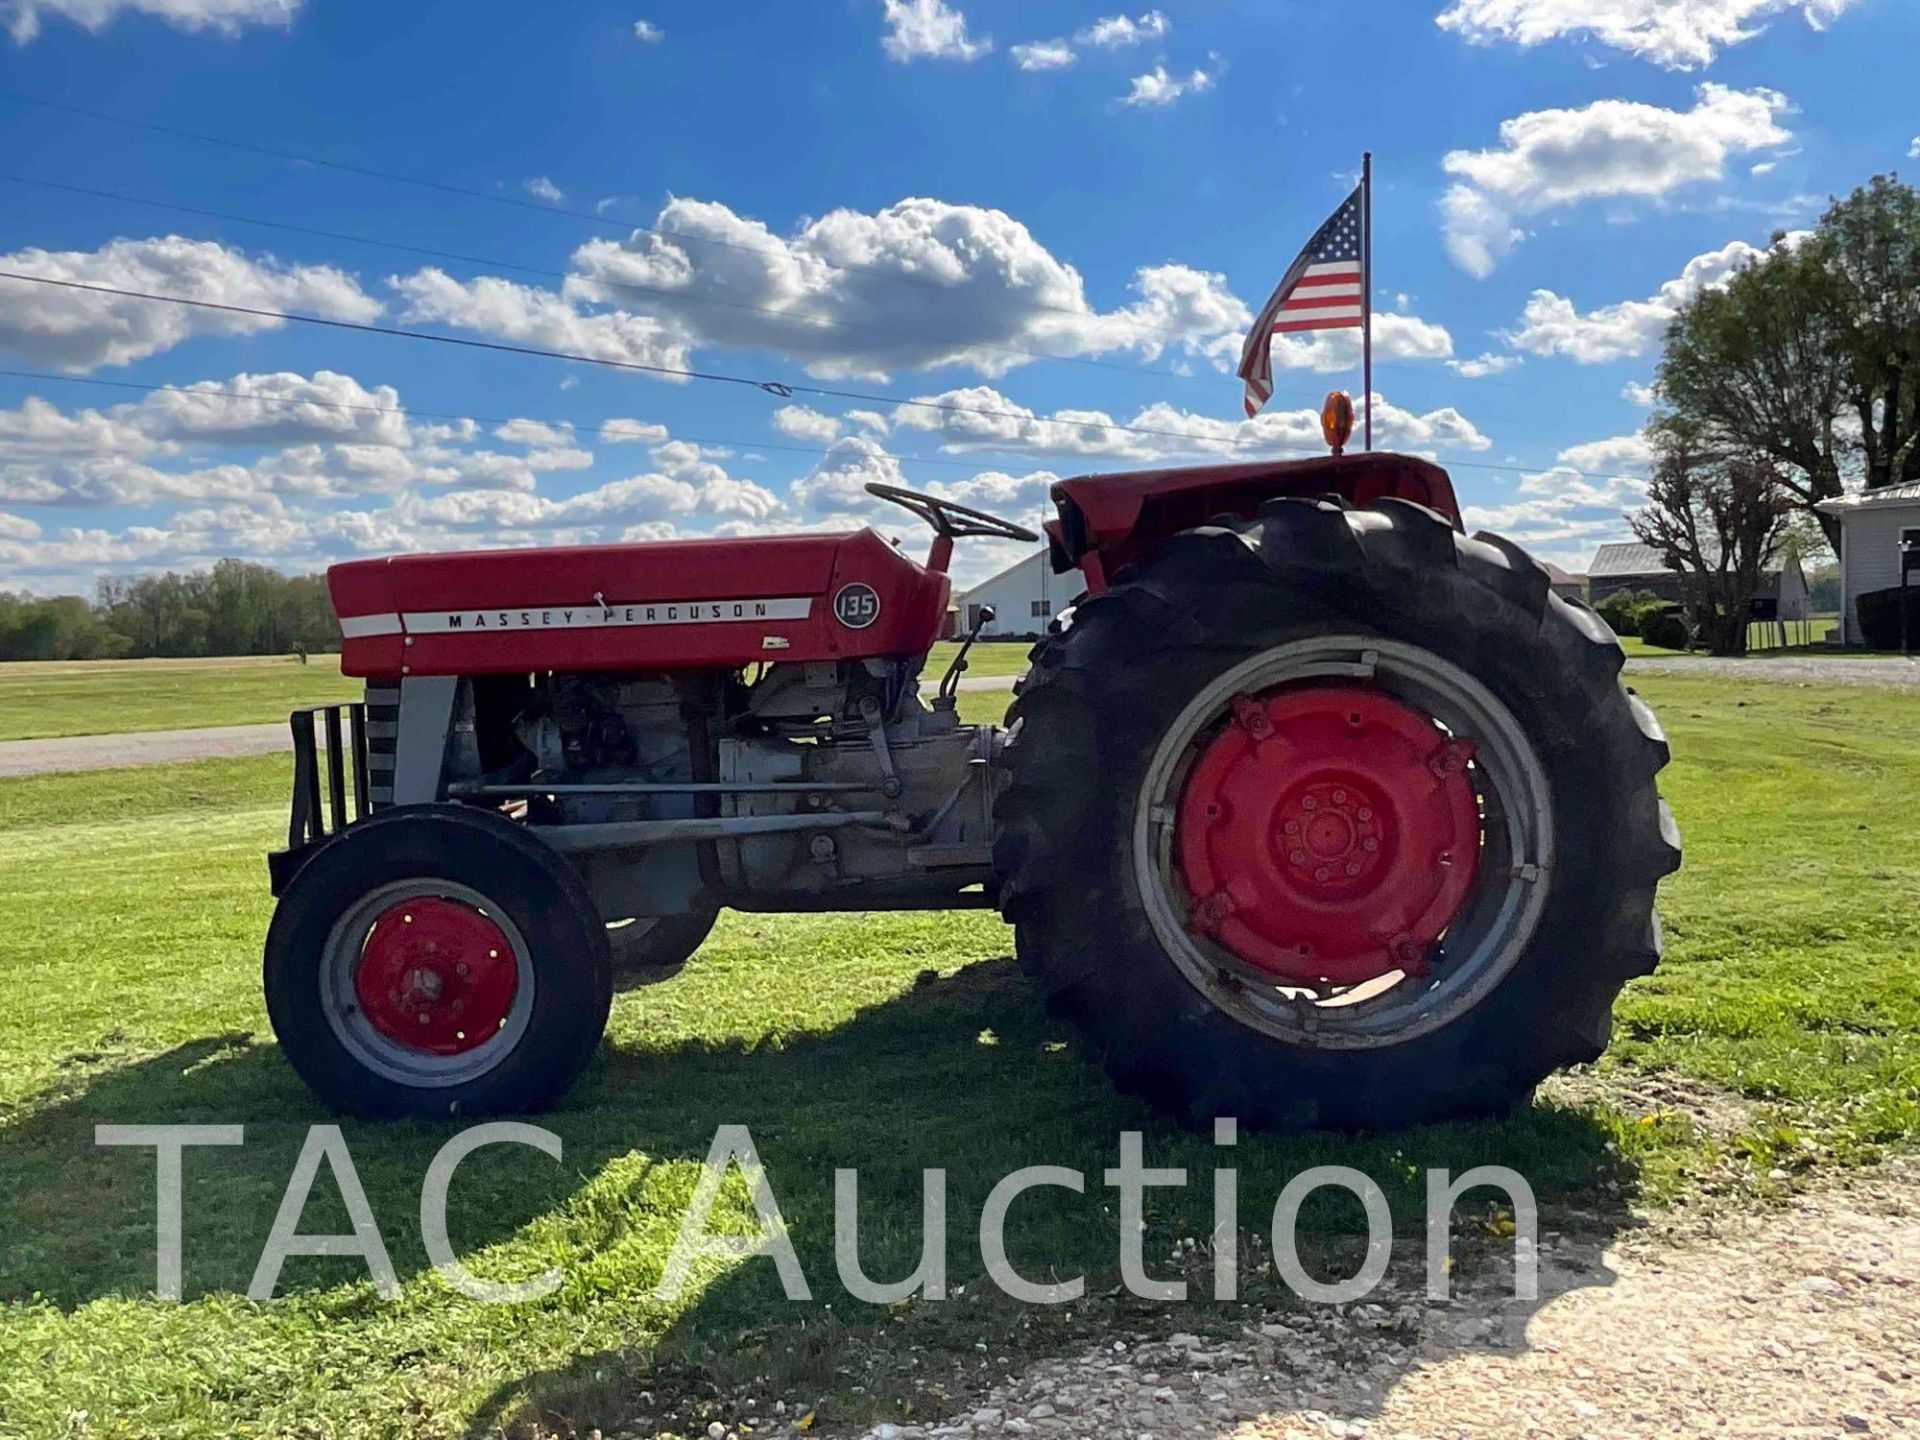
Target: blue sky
[1056, 213]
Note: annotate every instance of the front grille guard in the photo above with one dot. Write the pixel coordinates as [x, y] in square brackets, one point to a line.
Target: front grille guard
[322, 792]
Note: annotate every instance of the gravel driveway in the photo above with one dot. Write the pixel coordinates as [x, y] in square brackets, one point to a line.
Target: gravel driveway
[1890, 671]
[1804, 1322]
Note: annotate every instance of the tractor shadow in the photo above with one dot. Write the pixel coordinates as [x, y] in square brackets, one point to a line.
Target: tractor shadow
[961, 1072]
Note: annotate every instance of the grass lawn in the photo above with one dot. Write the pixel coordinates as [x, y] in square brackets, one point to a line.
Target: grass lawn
[1782, 1037]
[101, 697]
[989, 657]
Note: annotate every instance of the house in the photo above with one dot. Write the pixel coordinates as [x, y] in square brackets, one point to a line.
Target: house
[1631, 565]
[1024, 597]
[1873, 525]
[1566, 585]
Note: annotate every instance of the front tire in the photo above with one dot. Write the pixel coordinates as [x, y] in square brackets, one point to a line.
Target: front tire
[1160, 912]
[437, 960]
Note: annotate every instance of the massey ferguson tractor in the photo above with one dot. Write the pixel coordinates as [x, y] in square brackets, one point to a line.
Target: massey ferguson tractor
[1311, 810]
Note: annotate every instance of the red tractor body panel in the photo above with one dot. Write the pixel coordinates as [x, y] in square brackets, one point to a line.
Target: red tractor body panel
[663, 605]
[1112, 520]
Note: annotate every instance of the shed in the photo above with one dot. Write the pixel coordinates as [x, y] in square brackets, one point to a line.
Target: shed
[1632, 565]
[1024, 597]
[1565, 584]
[1872, 526]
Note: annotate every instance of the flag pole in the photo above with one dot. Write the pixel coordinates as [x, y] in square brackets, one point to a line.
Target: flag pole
[1366, 289]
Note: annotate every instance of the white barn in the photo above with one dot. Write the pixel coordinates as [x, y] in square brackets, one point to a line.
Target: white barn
[1024, 597]
[1872, 526]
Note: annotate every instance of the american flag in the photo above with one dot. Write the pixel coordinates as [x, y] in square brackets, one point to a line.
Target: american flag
[1324, 289]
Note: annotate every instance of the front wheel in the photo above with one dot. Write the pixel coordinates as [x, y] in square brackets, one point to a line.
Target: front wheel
[434, 961]
[1333, 817]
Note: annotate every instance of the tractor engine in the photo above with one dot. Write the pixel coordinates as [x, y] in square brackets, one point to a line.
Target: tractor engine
[814, 784]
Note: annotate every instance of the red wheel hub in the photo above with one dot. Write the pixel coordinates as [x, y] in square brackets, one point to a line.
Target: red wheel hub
[1328, 833]
[436, 975]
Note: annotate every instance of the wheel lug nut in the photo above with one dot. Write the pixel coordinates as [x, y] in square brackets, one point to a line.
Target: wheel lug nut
[461, 970]
[1309, 803]
[1339, 797]
[1299, 857]
[1366, 813]
[1323, 873]
[1369, 843]
[1353, 867]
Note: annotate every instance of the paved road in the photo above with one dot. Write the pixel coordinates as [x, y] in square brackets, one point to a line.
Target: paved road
[165, 747]
[147, 747]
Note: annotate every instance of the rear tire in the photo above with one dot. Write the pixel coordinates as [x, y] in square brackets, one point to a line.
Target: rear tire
[652, 948]
[1108, 690]
[344, 1030]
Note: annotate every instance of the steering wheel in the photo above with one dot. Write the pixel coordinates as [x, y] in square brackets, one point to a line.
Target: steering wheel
[951, 521]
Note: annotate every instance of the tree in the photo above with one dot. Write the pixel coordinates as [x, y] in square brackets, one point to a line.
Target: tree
[1718, 522]
[1759, 368]
[1869, 246]
[1809, 358]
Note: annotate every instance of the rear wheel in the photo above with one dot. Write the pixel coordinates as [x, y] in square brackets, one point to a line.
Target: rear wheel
[655, 947]
[437, 961]
[1375, 834]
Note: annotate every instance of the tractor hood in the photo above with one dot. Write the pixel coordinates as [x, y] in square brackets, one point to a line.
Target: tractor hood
[671, 604]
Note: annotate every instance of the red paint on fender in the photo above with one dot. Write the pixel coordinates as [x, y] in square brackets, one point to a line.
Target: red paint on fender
[533, 596]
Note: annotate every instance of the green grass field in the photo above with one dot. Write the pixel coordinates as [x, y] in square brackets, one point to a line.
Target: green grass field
[103, 697]
[1780, 1040]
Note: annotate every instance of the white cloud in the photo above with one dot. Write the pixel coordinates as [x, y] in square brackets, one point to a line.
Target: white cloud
[1395, 337]
[17, 527]
[1551, 325]
[1913, 150]
[226, 18]
[1484, 365]
[648, 32]
[1043, 55]
[929, 30]
[283, 408]
[1157, 87]
[918, 284]
[804, 423]
[1765, 167]
[1114, 32]
[38, 432]
[80, 330]
[1162, 431]
[872, 419]
[836, 485]
[528, 315]
[1609, 149]
[1635, 393]
[1679, 34]
[1561, 514]
[541, 188]
[1607, 457]
[537, 433]
[622, 432]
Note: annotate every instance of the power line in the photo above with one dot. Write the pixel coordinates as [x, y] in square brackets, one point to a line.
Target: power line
[778, 388]
[542, 208]
[655, 291]
[304, 402]
[591, 218]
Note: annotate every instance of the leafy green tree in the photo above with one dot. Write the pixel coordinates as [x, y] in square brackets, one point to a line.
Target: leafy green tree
[1809, 358]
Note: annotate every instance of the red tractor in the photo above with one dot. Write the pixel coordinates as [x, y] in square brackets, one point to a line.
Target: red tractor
[1312, 810]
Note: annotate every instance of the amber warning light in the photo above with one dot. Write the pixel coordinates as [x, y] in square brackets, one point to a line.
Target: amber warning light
[1336, 420]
